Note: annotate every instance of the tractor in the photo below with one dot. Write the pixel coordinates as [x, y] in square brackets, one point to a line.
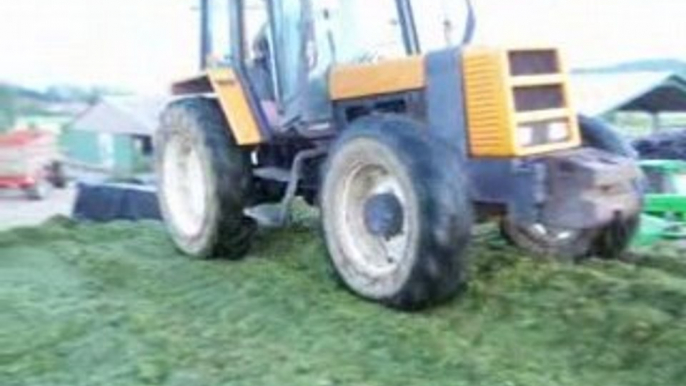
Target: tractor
[403, 133]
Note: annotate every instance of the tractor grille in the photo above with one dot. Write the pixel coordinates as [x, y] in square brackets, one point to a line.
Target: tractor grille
[510, 88]
[539, 98]
[533, 63]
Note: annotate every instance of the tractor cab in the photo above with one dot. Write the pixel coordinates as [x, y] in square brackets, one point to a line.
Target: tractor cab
[287, 49]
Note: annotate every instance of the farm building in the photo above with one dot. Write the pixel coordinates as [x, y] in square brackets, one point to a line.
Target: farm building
[657, 97]
[114, 135]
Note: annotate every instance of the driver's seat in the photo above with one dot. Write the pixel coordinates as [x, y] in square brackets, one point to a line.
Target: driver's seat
[261, 76]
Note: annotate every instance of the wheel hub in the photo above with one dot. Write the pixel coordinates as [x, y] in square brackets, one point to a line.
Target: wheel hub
[383, 215]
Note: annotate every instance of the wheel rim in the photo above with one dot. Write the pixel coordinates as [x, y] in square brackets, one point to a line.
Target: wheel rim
[185, 186]
[372, 255]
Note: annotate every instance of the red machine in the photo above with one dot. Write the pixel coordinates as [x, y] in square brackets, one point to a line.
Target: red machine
[30, 160]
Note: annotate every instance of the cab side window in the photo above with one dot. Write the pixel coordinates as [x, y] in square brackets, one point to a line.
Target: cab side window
[220, 33]
[257, 48]
[289, 29]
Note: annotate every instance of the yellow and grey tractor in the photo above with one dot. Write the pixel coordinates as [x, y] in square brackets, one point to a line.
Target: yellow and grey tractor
[405, 135]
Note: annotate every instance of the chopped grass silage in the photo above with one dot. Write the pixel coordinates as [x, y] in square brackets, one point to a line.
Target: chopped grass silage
[117, 305]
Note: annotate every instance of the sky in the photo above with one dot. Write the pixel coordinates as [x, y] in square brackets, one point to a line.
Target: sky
[592, 32]
[131, 44]
[143, 45]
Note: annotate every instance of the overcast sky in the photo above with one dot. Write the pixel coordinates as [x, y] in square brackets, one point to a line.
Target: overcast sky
[144, 44]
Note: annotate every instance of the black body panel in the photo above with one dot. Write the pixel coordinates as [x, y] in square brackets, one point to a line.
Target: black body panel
[445, 99]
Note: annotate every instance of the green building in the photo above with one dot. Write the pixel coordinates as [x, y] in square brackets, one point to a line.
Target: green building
[114, 136]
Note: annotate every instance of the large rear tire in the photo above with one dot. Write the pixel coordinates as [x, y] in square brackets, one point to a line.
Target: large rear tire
[396, 214]
[610, 241]
[204, 181]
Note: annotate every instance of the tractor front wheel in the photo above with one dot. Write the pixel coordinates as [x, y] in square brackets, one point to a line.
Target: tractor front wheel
[396, 214]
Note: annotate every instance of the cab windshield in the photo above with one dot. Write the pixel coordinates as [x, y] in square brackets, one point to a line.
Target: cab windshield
[364, 30]
[369, 30]
[440, 23]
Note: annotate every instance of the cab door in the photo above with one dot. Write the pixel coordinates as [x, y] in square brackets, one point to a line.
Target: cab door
[288, 35]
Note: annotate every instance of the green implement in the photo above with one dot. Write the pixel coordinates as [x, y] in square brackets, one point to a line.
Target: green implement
[664, 213]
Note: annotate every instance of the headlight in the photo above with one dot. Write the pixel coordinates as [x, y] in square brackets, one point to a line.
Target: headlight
[525, 136]
[543, 133]
[558, 131]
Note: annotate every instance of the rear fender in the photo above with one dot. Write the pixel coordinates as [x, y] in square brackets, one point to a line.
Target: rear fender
[239, 105]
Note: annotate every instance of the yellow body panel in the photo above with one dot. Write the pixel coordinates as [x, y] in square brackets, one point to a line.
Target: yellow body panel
[232, 97]
[386, 77]
[492, 114]
[234, 103]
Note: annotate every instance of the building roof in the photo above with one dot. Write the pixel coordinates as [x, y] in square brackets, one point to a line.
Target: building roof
[122, 115]
[652, 92]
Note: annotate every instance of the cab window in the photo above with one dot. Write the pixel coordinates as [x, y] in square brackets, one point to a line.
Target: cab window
[219, 32]
[255, 31]
[365, 31]
[440, 23]
[257, 48]
[288, 35]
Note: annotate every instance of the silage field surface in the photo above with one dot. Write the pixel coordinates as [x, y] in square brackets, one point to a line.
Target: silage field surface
[116, 305]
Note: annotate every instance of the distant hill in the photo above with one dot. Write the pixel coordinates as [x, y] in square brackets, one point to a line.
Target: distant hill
[651, 65]
[22, 92]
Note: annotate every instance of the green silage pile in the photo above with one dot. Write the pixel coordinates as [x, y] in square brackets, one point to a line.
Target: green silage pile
[116, 305]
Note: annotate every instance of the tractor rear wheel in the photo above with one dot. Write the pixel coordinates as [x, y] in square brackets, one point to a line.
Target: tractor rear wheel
[609, 241]
[204, 181]
[396, 214]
